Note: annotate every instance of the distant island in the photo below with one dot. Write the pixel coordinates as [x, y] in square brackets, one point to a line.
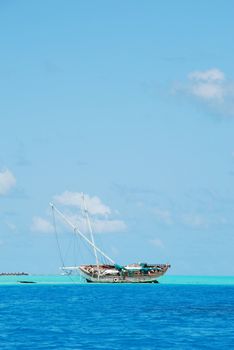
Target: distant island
[14, 274]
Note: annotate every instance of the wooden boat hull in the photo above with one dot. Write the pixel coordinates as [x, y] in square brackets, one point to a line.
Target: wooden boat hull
[114, 280]
[126, 276]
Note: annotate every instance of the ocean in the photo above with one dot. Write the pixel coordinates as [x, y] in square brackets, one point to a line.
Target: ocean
[183, 312]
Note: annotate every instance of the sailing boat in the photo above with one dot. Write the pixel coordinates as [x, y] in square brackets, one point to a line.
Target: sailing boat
[109, 272]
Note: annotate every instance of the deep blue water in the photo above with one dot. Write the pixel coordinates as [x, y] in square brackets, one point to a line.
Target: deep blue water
[116, 317]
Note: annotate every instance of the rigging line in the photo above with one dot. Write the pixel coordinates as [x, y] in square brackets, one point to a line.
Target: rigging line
[57, 240]
[59, 248]
[69, 245]
[78, 232]
[72, 279]
[90, 230]
[67, 250]
[89, 251]
[75, 253]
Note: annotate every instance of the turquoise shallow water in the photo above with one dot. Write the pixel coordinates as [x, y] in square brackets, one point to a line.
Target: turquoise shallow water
[167, 279]
[116, 317]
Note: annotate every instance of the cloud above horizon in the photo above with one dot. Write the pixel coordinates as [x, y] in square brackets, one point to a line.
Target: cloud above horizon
[72, 203]
[41, 225]
[198, 208]
[163, 215]
[211, 88]
[7, 181]
[76, 199]
[157, 242]
[100, 225]
[172, 217]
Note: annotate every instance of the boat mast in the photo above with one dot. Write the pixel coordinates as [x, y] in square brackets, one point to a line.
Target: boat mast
[91, 231]
[77, 231]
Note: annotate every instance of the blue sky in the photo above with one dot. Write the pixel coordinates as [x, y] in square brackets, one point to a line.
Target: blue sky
[131, 103]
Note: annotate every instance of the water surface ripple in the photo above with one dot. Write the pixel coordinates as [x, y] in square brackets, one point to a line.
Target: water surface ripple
[116, 317]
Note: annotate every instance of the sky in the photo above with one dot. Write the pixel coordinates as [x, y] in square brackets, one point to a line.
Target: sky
[132, 104]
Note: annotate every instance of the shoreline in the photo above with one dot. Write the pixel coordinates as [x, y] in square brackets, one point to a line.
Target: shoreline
[76, 279]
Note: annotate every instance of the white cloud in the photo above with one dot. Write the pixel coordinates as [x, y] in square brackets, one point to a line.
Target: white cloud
[212, 89]
[11, 226]
[208, 75]
[208, 91]
[194, 220]
[157, 243]
[163, 215]
[105, 222]
[41, 225]
[7, 181]
[208, 85]
[107, 226]
[94, 204]
[98, 225]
